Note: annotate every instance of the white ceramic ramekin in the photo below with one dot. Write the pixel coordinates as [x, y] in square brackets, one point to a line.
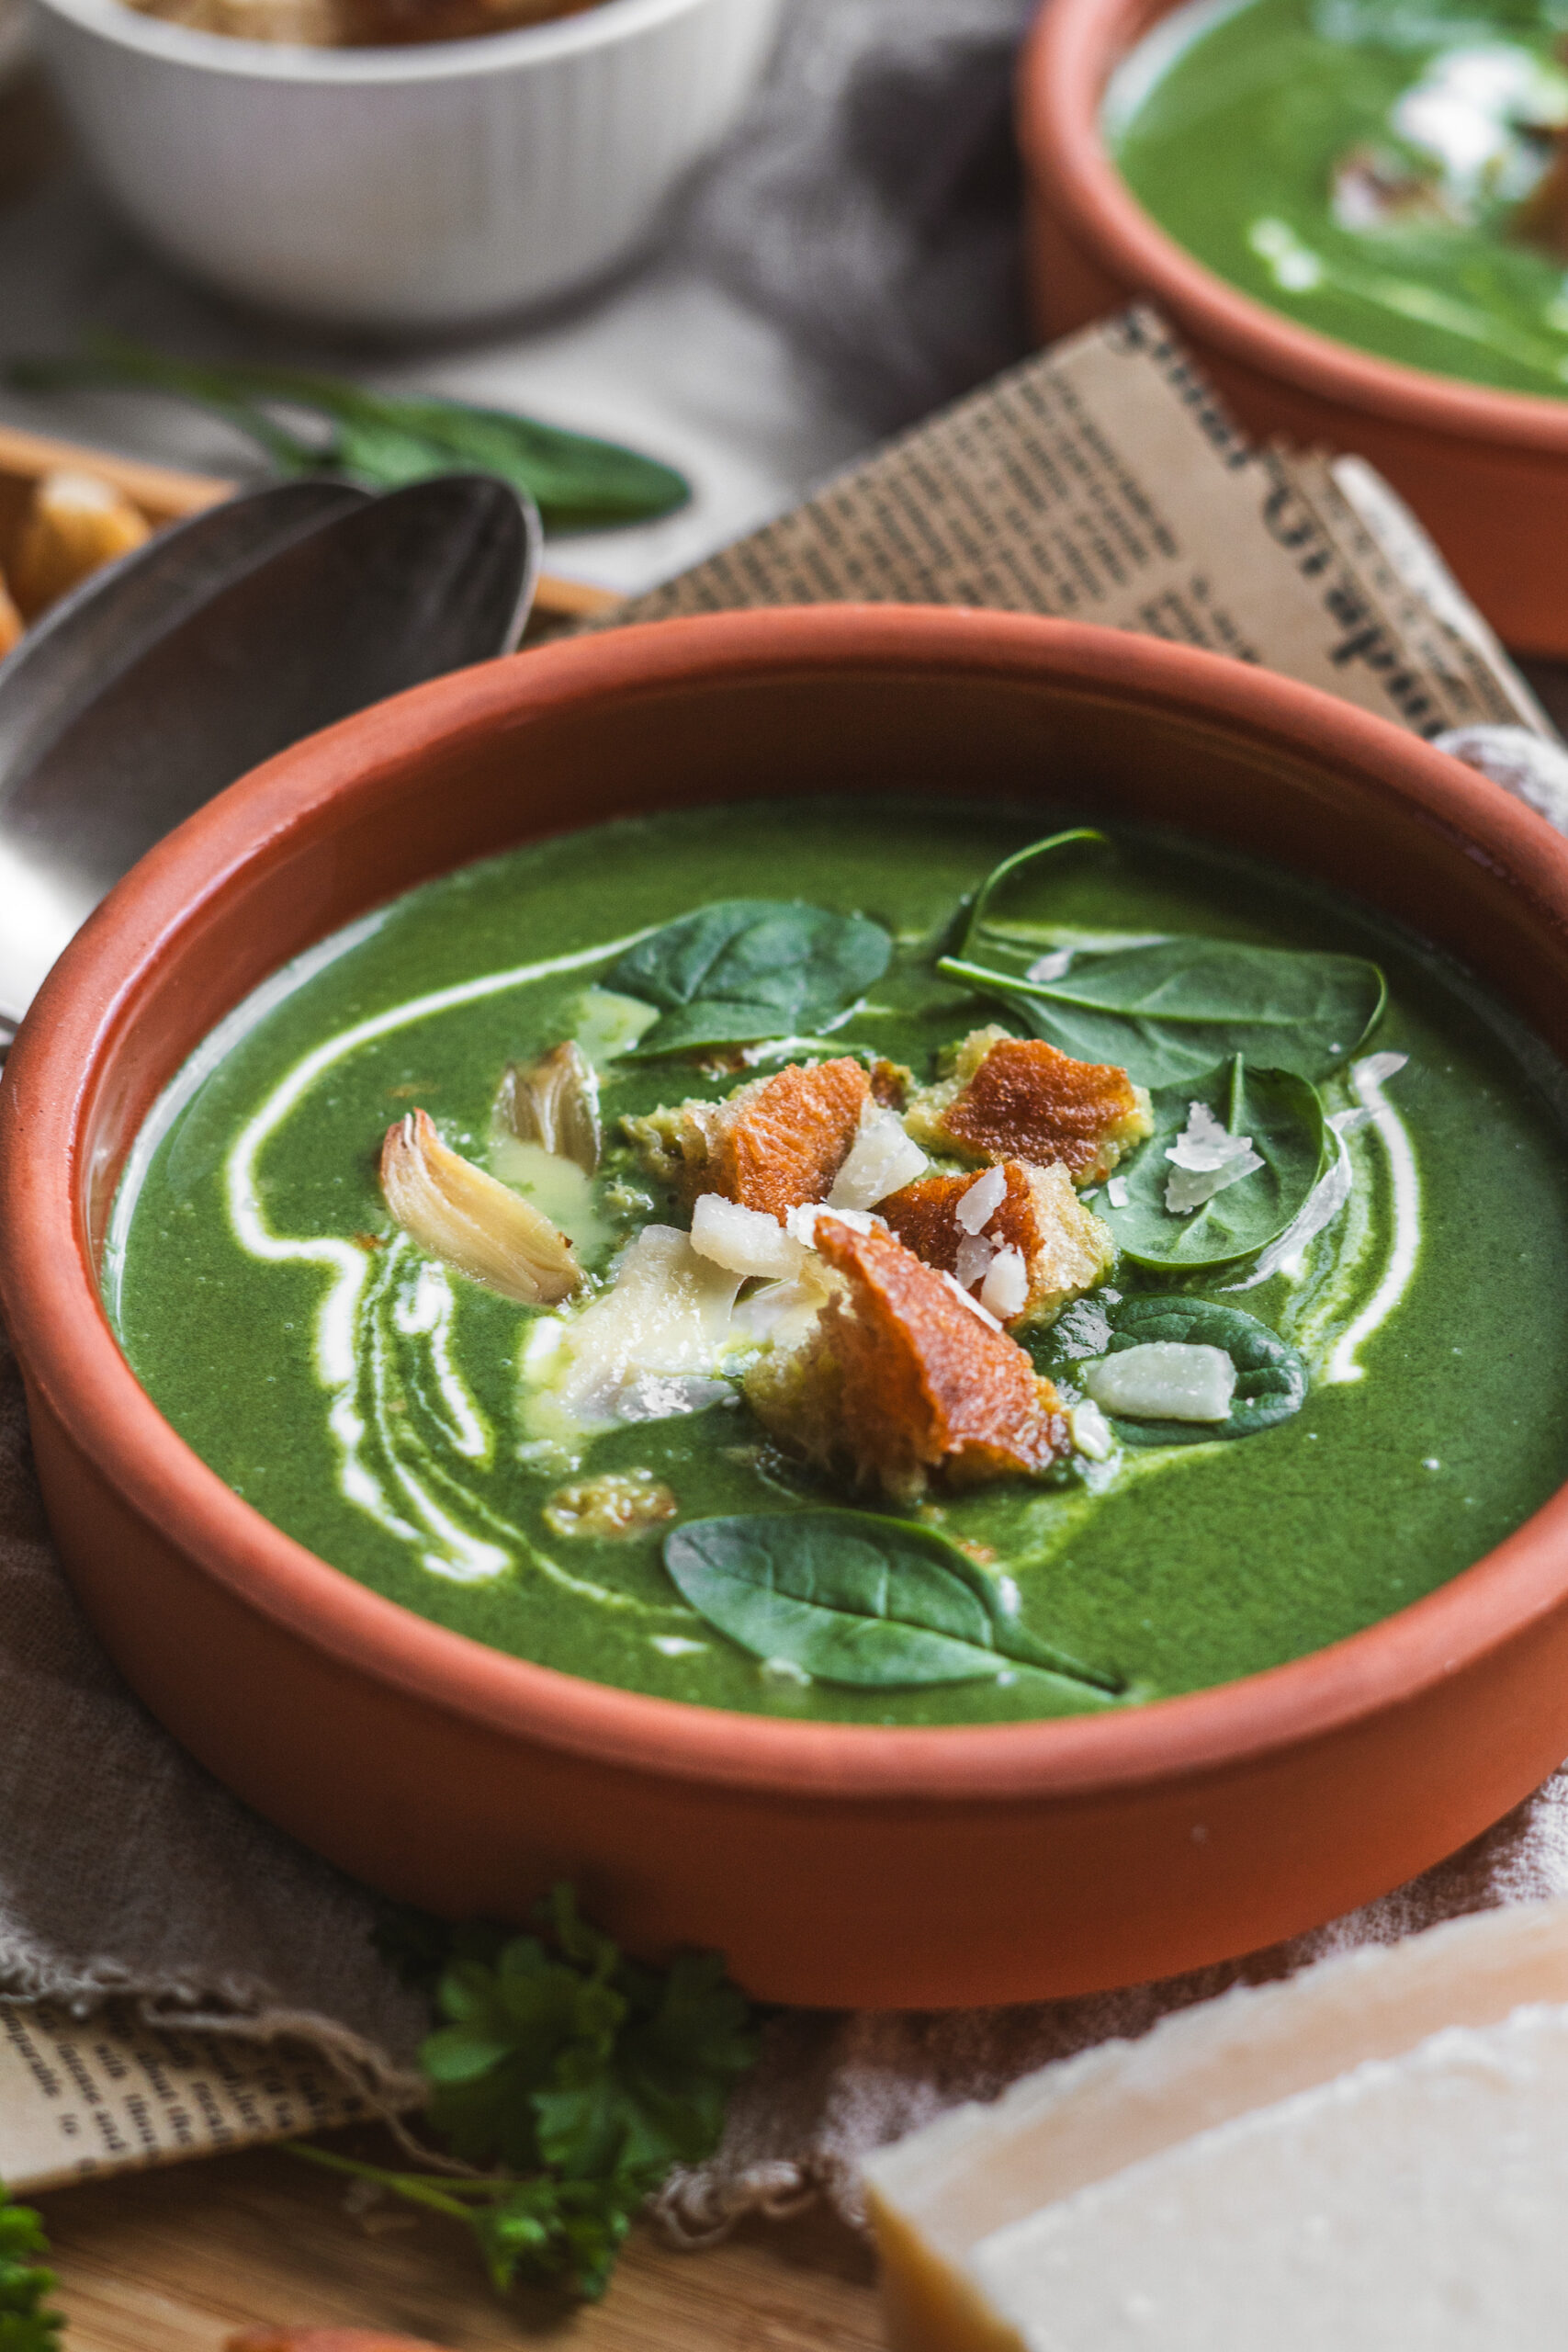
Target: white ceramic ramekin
[404, 189]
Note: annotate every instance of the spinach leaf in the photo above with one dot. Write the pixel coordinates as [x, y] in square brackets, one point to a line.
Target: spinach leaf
[747, 968]
[1284, 1118]
[851, 1598]
[384, 439]
[1163, 1008]
[1271, 1376]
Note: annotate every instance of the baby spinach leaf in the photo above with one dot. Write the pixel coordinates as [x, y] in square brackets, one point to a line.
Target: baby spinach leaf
[1008, 927]
[383, 440]
[1271, 1376]
[1284, 1118]
[851, 1598]
[1165, 1009]
[747, 968]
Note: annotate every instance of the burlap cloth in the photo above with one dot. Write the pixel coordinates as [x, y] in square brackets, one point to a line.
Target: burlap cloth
[126, 1871]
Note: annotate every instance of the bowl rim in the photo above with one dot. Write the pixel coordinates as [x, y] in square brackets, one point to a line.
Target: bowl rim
[1064, 68]
[605, 25]
[50, 1293]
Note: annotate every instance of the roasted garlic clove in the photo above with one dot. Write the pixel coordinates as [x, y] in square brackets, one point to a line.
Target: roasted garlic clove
[469, 1220]
[555, 1103]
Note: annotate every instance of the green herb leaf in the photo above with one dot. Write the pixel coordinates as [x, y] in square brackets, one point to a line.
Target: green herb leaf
[851, 1598]
[25, 2324]
[1284, 1118]
[384, 439]
[1167, 1009]
[569, 2064]
[1271, 1376]
[747, 968]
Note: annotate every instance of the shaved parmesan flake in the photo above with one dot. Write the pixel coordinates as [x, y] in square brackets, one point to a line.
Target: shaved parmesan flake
[1164, 1380]
[1206, 1158]
[973, 1261]
[1006, 1287]
[744, 1241]
[981, 1202]
[883, 1159]
[652, 1345]
[1115, 1192]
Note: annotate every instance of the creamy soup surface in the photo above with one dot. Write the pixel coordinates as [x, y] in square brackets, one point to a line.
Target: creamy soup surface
[769, 1258]
[1392, 172]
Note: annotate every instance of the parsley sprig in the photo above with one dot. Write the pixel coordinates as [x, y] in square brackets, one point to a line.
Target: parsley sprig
[579, 2073]
[25, 2324]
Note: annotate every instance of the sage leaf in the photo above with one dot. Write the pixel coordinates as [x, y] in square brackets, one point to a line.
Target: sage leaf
[1271, 1376]
[851, 1598]
[1284, 1118]
[1165, 1009]
[742, 969]
[384, 439]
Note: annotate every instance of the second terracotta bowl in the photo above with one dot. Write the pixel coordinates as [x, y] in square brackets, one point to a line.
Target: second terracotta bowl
[834, 1864]
[1486, 471]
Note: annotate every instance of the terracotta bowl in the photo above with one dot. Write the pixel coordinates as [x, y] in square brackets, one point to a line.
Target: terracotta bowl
[1486, 471]
[834, 1864]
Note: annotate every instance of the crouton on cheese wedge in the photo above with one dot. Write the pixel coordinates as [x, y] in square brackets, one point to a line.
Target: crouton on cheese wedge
[1019, 1098]
[899, 1381]
[773, 1145]
[1016, 1237]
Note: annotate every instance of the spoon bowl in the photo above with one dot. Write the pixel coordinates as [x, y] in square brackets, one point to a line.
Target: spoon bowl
[216, 645]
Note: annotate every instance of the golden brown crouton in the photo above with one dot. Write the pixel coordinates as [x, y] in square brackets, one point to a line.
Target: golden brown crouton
[898, 1381]
[10, 619]
[1019, 1098]
[1062, 1248]
[75, 522]
[771, 1145]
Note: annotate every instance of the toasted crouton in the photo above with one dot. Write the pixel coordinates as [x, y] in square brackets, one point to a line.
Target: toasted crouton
[10, 619]
[899, 1381]
[771, 1145]
[1062, 1248]
[74, 524]
[1019, 1098]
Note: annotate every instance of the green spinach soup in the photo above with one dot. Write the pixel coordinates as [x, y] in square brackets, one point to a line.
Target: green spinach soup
[1392, 172]
[1006, 1276]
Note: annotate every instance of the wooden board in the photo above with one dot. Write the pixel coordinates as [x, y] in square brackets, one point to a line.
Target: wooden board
[171, 2261]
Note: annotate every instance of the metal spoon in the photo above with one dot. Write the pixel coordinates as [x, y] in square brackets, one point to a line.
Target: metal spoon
[216, 645]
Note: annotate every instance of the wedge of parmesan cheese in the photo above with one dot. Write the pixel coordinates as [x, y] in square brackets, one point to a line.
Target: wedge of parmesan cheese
[1284, 2166]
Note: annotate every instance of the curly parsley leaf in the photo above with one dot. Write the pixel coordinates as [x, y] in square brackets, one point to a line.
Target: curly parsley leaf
[584, 2076]
[25, 2324]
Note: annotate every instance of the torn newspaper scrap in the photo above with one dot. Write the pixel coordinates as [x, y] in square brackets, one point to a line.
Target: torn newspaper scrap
[1103, 480]
[104, 2092]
